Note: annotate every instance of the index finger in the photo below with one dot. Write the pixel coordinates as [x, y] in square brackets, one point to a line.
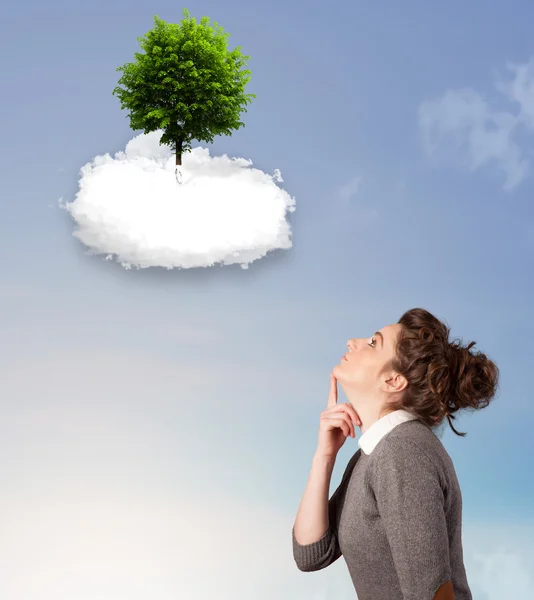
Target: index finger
[332, 396]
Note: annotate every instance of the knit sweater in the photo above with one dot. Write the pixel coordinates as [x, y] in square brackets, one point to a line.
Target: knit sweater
[396, 518]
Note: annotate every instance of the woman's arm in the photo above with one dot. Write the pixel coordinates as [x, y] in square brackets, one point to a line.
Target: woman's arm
[311, 522]
[411, 504]
[315, 544]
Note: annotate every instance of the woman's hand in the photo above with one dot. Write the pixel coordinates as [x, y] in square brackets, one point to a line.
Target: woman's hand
[336, 424]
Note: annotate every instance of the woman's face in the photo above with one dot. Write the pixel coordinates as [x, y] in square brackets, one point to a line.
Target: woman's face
[361, 367]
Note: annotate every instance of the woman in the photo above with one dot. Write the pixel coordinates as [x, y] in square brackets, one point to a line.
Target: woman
[396, 517]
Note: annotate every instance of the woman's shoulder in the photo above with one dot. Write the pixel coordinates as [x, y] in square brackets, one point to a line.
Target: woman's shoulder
[415, 441]
[416, 433]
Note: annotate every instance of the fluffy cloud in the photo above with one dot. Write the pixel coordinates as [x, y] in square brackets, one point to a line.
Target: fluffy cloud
[131, 207]
[464, 126]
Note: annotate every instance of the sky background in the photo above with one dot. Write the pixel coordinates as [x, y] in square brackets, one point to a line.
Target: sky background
[158, 426]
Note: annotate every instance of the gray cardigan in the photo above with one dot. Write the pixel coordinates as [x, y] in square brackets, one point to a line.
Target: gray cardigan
[396, 518]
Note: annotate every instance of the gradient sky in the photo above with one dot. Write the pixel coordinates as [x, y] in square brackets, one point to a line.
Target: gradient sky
[158, 426]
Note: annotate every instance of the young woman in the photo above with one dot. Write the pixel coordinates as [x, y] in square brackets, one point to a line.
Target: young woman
[396, 517]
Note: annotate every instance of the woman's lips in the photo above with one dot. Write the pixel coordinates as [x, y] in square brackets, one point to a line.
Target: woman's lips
[344, 358]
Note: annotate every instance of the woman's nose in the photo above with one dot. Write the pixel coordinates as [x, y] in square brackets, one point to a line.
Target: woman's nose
[354, 343]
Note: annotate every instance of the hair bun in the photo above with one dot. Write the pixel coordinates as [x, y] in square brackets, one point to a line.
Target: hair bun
[475, 377]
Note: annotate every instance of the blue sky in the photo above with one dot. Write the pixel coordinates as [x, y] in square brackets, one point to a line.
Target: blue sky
[159, 425]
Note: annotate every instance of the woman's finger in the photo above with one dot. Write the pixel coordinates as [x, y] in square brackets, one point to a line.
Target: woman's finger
[332, 396]
[339, 424]
[347, 408]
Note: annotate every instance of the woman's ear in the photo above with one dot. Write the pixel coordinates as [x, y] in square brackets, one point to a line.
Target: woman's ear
[393, 382]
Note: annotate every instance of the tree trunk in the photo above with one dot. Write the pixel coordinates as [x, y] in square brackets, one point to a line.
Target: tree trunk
[179, 146]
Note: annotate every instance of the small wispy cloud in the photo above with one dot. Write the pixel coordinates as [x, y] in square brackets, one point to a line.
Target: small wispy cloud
[504, 573]
[131, 208]
[350, 190]
[464, 127]
[520, 90]
[349, 195]
[499, 560]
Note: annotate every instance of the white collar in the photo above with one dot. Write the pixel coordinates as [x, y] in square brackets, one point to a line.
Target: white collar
[380, 428]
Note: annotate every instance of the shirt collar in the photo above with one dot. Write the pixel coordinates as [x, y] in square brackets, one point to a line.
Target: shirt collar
[380, 428]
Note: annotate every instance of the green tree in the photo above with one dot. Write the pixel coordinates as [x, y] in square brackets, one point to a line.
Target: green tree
[186, 83]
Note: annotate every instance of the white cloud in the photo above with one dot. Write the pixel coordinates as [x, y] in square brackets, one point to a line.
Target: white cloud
[130, 207]
[504, 574]
[521, 90]
[499, 560]
[463, 126]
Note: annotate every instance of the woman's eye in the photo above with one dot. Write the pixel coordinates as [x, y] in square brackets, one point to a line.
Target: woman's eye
[373, 342]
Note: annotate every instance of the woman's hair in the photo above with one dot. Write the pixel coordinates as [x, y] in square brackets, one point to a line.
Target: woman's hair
[443, 377]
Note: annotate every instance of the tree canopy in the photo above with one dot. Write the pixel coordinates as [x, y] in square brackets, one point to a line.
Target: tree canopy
[186, 83]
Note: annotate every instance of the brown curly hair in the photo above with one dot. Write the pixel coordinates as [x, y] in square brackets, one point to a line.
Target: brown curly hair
[443, 377]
